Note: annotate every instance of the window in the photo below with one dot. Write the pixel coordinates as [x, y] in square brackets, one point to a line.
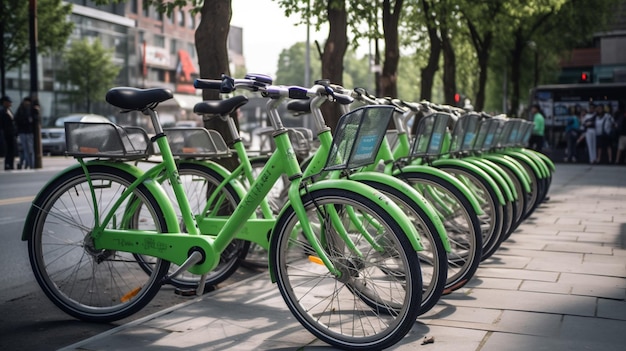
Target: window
[173, 46]
[192, 21]
[180, 18]
[133, 6]
[159, 41]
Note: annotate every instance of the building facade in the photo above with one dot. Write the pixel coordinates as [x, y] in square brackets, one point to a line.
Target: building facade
[152, 49]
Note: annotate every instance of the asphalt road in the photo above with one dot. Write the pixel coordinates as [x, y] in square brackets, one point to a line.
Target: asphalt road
[28, 320]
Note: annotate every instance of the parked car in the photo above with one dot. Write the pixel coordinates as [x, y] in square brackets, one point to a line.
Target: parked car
[53, 136]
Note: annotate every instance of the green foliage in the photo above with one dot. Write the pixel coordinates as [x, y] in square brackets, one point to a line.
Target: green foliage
[88, 72]
[53, 29]
[291, 65]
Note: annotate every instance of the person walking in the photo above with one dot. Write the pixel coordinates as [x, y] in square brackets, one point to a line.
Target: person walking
[589, 135]
[621, 134]
[25, 118]
[7, 122]
[537, 136]
[572, 129]
[604, 125]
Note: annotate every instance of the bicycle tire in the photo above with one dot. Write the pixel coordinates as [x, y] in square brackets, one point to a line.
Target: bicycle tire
[89, 284]
[310, 303]
[433, 259]
[493, 218]
[462, 226]
[199, 181]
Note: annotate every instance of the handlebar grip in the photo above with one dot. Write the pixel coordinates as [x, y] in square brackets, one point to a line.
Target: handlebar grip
[343, 99]
[224, 85]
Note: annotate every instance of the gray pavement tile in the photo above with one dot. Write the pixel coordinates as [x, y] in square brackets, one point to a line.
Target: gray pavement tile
[445, 339]
[128, 339]
[530, 323]
[523, 274]
[571, 266]
[615, 258]
[594, 329]
[547, 287]
[557, 256]
[599, 291]
[505, 261]
[612, 309]
[451, 312]
[515, 342]
[592, 280]
[529, 301]
[578, 247]
[493, 283]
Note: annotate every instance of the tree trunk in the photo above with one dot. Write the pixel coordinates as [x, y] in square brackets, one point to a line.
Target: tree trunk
[516, 67]
[483, 64]
[211, 44]
[332, 57]
[389, 76]
[428, 72]
[449, 67]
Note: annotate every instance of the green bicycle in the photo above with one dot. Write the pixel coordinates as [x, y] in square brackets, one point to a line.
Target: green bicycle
[332, 248]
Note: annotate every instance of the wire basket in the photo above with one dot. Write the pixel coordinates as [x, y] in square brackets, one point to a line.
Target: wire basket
[106, 140]
[464, 132]
[505, 132]
[196, 143]
[301, 139]
[358, 137]
[430, 134]
[526, 130]
[486, 134]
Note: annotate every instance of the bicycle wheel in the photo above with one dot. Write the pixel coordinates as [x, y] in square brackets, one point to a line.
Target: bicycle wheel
[461, 223]
[200, 182]
[375, 301]
[89, 284]
[493, 218]
[433, 260]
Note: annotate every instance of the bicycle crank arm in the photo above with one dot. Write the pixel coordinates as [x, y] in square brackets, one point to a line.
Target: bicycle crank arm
[174, 247]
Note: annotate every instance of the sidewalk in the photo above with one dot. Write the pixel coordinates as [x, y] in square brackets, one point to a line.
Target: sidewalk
[559, 283]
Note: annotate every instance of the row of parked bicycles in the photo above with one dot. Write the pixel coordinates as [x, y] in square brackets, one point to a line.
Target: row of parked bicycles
[361, 234]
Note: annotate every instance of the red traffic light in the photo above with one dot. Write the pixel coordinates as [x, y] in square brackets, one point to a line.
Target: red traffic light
[457, 98]
[584, 76]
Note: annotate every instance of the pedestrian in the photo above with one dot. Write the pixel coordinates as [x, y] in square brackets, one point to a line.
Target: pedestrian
[604, 126]
[7, 122]
[621, 132]
[25, 118]
[572, 128]
[537, 136]
[589, 133]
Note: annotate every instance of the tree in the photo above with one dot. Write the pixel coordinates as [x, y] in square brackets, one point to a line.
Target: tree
[291, 66]
[14, 41]
[88, 72]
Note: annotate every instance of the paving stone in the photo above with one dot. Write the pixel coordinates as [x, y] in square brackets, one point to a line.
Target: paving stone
[612, 309]
[578, 247]
[516, 342]
[493, 283]
[517, 274]
[571, 266]
[451, 312]
[592, 280]
[531, 323]
[593, 330]
[548, 287]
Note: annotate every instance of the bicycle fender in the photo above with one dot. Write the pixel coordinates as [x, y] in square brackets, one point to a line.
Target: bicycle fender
[436, 172]
[374, 178]
[371, 194]
[506, 162]
[471, 167]
[497, 174]
[544, 161]
[518, 155]
[152, 186]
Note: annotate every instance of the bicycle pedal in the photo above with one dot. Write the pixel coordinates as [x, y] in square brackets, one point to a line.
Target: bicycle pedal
[185, 292]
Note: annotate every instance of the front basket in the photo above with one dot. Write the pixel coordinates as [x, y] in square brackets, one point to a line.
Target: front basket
[358, 137]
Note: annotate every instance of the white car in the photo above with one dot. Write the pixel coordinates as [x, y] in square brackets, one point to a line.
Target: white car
[53, 137]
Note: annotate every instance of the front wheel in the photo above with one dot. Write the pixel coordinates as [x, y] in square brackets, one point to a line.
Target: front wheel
[87, 283]
[375, 301]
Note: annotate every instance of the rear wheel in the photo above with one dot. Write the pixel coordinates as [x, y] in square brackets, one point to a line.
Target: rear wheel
[85, 282]
[376, 299]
